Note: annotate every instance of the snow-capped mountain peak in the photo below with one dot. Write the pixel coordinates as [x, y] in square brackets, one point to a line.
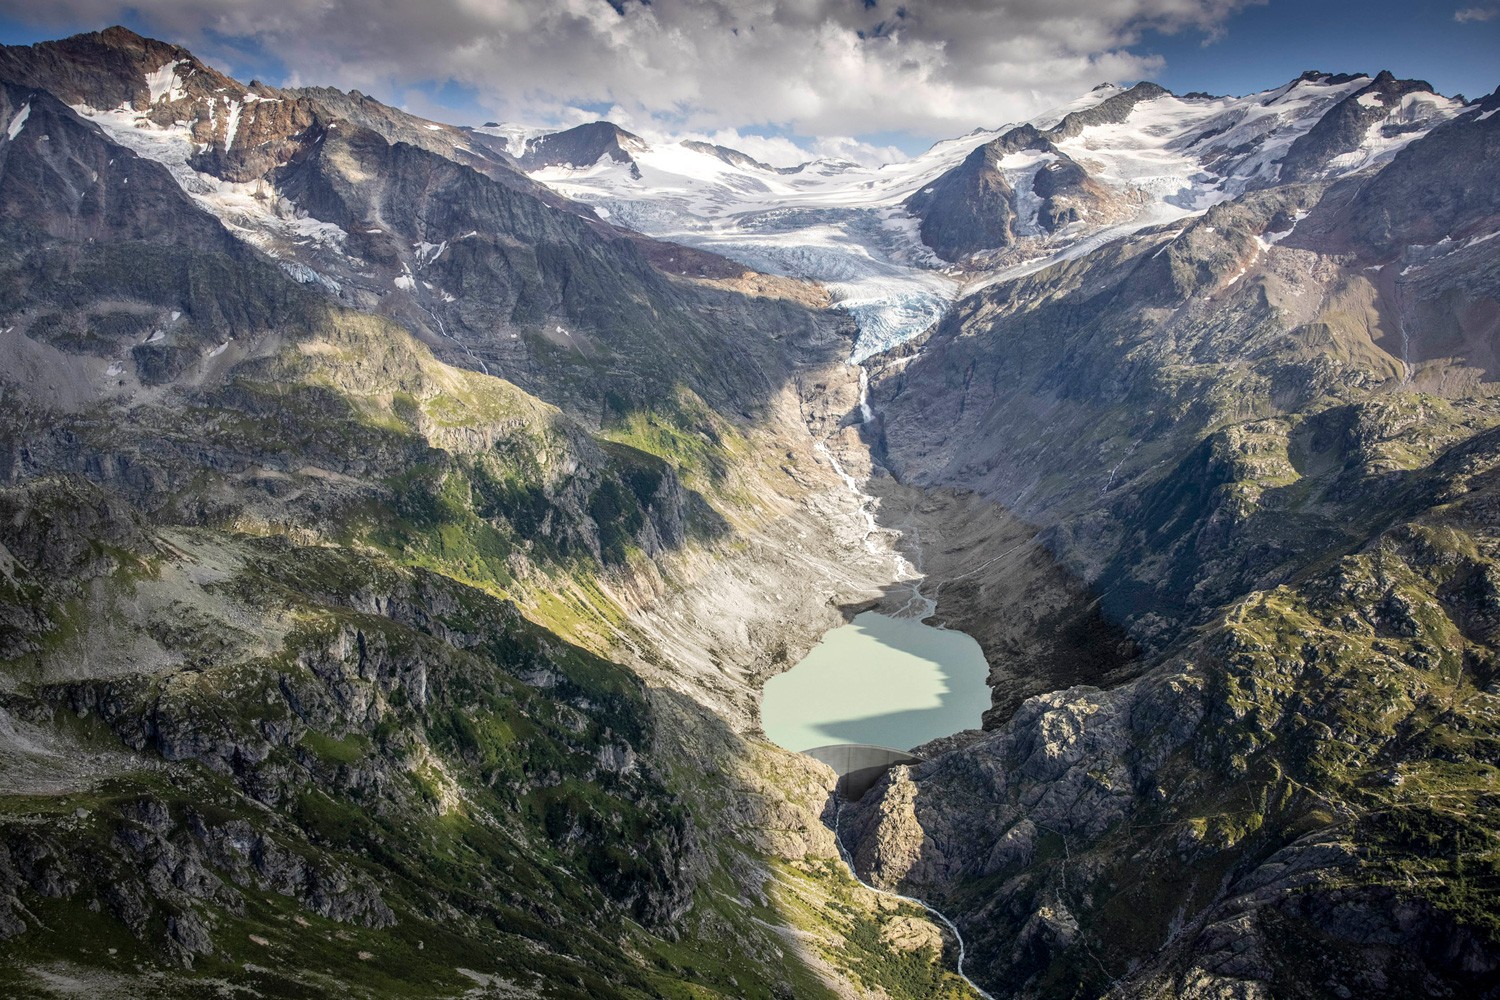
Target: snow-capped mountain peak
[896, 243]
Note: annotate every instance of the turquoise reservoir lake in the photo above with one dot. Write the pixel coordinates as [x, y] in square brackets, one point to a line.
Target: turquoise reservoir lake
[893, 682]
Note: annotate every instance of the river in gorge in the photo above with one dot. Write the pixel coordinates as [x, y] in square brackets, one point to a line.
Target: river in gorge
[892, 682]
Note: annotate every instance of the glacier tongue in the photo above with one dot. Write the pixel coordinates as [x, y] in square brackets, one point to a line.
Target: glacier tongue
[836, 223]
[871, 260]
[871, 263]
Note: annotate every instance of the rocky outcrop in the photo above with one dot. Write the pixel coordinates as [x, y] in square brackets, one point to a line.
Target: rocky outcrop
[240, 133]
[114, 67]
[1110, 111]
[973, 206]
[1067, 192]
[583, 146]
[733, 157]
[1436, 189]
[1344, 128]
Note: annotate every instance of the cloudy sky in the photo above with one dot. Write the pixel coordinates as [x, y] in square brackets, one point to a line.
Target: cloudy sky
[865, 78]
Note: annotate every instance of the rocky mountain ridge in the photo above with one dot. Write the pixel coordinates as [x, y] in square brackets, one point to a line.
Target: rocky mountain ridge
[1263, 437]
[584, 145]
[1002, 203]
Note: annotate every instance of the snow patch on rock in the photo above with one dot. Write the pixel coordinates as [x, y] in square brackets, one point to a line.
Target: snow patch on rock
[18, 121]
[164, 81]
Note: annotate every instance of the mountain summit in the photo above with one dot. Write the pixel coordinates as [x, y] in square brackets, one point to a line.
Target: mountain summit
[1001, 201]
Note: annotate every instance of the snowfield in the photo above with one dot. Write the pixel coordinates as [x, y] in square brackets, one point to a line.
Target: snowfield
[253, 211]
[831, 221]
[843, 224]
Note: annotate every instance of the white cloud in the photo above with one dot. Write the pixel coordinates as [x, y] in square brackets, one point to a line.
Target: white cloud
[927, 68]
[1468, 14]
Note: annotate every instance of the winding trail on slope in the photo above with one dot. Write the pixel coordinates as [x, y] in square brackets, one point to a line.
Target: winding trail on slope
[848, 859]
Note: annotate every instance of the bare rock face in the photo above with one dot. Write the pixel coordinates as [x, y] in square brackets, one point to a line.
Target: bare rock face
[240, 133]
[244, 131]
[1068, 194]
[1111, 111]
[64, 180]
[583, 146]
[908, 934]
[1434, 190]
[973, 206]
[891, 842]
[111, 68]
[1345, 127]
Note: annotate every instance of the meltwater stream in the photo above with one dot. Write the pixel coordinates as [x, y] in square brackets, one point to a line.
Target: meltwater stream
[881, 680]
[963, 951]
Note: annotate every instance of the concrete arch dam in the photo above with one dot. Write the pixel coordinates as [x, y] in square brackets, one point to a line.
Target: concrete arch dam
[859, 765]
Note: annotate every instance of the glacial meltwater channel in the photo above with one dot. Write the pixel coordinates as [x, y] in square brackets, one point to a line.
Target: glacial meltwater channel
[892, 682]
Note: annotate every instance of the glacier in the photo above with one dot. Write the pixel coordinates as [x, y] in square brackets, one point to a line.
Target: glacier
[844, 225]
